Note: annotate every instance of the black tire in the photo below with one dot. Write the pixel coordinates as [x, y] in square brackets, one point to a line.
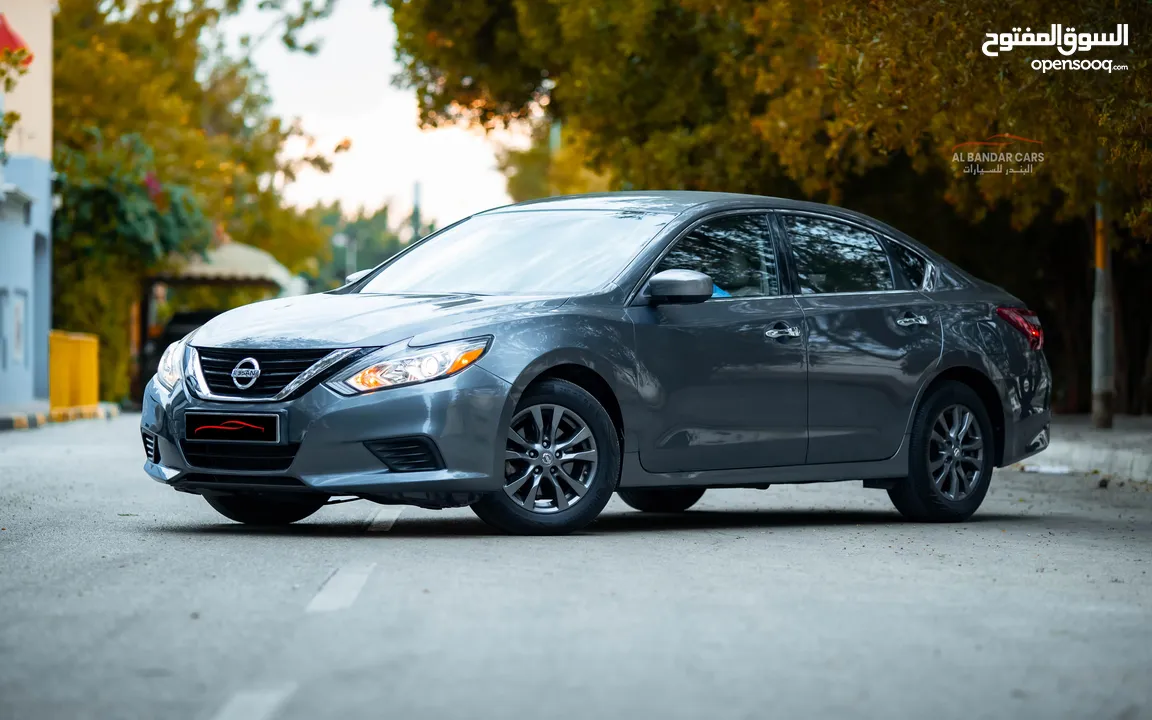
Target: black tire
[509, 513]
[660, 500]
[918, 498]
[265, 509]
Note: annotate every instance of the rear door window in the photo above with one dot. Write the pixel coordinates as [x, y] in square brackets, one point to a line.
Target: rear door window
[912, 265]
[835, 257]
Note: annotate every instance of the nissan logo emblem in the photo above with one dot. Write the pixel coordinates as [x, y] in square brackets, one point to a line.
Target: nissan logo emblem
[245, 374]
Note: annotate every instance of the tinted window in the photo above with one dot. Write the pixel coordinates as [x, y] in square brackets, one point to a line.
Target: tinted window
[912, 264]
[522, 253]
[946, 281]
[735, 251]
[833, 257]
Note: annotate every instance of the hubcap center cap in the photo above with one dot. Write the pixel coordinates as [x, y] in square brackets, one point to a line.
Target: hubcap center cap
[546, 458]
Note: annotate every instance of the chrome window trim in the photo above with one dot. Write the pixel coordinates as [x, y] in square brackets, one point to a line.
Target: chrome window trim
[199, 385]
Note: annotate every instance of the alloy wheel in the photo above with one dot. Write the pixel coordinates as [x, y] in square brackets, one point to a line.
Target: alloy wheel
[956, 453]
[549, 460]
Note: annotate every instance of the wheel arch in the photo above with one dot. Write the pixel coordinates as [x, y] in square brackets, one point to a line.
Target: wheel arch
[580, 368]
[980, 383]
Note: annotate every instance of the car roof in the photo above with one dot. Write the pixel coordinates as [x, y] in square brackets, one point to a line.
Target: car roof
[697, 203]
[674, 202]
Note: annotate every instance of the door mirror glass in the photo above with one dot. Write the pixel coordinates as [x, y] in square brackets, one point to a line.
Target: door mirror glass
[356, 276]
[679, 287]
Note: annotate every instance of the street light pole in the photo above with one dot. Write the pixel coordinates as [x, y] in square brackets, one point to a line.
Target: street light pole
[348, 243]
[1103, 343]
[416, 211]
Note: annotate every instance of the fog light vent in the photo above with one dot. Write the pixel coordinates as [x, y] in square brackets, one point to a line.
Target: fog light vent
[151, 447]
[408, 454]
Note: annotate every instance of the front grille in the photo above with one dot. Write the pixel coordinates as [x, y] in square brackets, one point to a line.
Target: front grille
[269, 480]
[151, 447]
[409, 454]
[239, 456]
[277, 369]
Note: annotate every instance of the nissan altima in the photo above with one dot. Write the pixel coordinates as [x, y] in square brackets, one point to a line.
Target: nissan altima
[531, 360]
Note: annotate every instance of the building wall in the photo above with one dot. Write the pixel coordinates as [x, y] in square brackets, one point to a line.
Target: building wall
[26, 238]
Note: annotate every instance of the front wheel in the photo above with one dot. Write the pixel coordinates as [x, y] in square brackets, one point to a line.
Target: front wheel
[264, 509]
[951, 457]
[561, 463]
[661, 500]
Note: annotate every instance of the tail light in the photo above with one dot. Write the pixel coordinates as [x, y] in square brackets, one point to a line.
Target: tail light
[1026, 322]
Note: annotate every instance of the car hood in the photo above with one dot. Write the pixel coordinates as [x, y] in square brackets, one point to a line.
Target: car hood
[354, 320]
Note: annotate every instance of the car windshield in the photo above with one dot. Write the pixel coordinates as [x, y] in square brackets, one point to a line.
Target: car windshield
[522, 253]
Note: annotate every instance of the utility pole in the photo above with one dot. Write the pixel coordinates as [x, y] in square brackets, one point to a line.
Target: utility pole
[555, 135]
[416, 211]
[1103, 343]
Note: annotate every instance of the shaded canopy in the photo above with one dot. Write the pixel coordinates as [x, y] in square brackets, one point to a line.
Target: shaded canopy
[233, 263]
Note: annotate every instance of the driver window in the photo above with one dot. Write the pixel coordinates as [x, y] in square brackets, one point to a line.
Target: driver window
[735, 251]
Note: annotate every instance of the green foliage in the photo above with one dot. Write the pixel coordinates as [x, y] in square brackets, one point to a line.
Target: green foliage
[855, 103]
[112, 204]
[163, 140]
[13, 64]
[375, 238]
[540, 170]
[793, 96]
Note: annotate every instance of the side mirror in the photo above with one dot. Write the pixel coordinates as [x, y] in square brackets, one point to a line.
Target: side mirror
[359, 274]
[679, 287]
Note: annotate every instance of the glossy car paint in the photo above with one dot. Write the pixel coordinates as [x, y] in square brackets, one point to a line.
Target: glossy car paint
[701, 395]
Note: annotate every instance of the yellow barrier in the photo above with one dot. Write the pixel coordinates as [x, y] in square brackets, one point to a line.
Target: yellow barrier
[73, 372]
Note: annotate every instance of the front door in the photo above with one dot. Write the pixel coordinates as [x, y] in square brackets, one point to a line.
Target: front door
[871, 340]
[723, 381]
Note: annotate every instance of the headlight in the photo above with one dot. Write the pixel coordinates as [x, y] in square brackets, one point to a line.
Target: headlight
[171, 366]
[387, 368]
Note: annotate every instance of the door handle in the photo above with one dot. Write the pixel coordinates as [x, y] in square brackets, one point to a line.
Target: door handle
[782, 330]
[909, 319]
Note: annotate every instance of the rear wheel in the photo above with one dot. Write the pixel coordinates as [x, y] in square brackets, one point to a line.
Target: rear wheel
[561, 463]
[951, 457]
[265, 509]
[661, 500]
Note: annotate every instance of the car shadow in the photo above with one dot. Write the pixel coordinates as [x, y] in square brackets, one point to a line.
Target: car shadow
[610, 523]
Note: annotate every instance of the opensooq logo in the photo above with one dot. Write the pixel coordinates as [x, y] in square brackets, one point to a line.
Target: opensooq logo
[1066, 40]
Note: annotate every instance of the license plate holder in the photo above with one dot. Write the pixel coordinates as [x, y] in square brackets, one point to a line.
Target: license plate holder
[232, 427]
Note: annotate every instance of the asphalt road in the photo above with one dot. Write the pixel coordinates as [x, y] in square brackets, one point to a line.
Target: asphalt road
[120, 598]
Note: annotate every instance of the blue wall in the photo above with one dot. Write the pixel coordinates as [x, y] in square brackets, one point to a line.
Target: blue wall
[26, 279]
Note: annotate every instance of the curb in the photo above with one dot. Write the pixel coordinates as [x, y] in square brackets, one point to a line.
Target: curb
[1133, 465]
[27, 421]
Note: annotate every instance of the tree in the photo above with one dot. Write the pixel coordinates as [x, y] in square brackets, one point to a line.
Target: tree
[13, 64]
[541, 170]
[850, 103]
[375, 239]
[115, 220]
[151, 76]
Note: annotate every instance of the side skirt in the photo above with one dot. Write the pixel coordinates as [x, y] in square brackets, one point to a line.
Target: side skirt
[633, 475]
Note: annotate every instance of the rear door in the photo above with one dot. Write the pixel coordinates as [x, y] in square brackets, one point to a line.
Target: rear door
[723, 381]
[872, 338]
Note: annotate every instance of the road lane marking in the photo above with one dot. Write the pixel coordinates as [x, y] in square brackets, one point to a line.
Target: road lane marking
[385, 518]
[341, 590]
[255, 704]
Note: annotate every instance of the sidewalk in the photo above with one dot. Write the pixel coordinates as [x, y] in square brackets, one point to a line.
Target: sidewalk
[24, 417]
[1124, 452]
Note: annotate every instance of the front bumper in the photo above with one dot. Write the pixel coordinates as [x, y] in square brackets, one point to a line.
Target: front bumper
[463, 415]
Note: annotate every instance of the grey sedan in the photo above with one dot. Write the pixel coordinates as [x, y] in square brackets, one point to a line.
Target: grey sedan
[531, 360]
